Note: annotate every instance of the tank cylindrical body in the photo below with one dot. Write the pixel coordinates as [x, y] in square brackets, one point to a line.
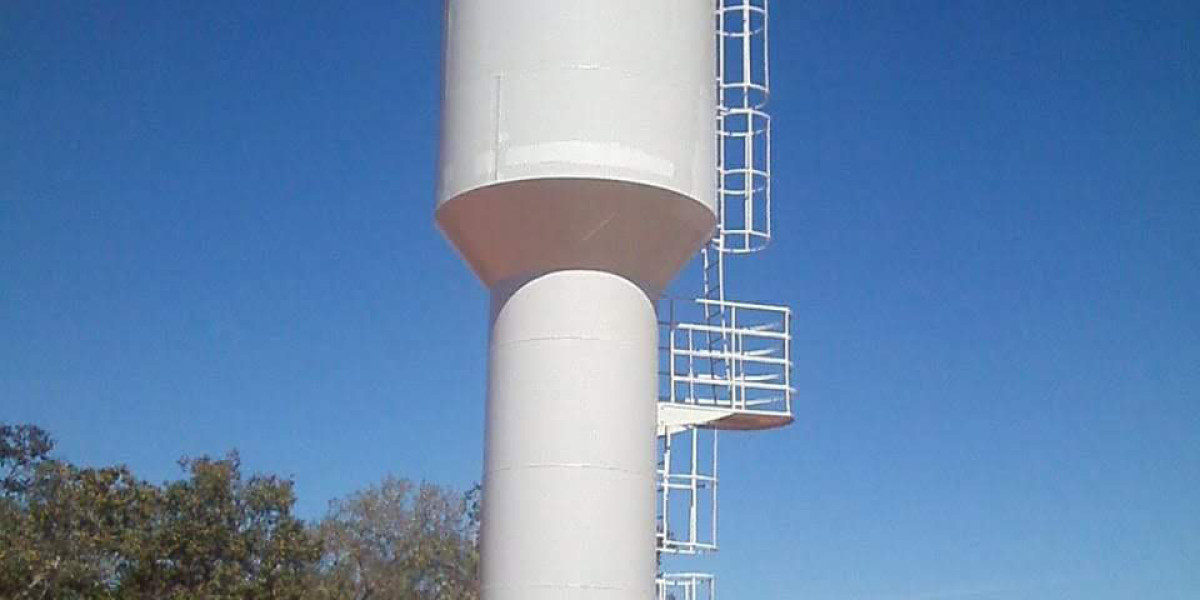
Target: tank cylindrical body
[576, 177]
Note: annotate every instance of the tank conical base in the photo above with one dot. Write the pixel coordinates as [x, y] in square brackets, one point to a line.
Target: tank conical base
[525, 228]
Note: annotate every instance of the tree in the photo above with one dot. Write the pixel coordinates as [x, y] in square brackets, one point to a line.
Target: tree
[401, 540]
[217, 535]
[22, 448]
[65, 532]
[70, 532]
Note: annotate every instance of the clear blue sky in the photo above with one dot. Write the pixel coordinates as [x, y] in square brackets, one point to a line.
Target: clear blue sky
[216, 233]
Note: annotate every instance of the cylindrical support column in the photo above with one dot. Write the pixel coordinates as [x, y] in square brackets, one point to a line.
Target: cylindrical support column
[568, 504]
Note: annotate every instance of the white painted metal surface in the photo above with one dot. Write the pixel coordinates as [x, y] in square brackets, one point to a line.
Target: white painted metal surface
[578, 134]
[608, 89]
[568, 509]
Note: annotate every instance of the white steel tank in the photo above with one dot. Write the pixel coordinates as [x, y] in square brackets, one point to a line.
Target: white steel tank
[578, 134]
[576, 177]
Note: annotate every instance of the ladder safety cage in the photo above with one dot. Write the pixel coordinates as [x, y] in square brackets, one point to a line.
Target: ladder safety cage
[686, 586]
[743, 126]
[687, 490]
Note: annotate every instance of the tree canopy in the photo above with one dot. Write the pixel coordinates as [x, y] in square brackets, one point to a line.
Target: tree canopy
[74, 532]
[401, 540]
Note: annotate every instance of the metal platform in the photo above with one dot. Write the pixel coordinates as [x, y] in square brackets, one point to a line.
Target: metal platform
[729, 368]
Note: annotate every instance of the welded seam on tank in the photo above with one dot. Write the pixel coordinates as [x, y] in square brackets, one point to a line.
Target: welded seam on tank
[570, 466]
[565, 338]
[575, 586]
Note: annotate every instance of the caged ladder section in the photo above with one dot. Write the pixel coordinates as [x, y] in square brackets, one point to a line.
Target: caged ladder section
[743, 126]
[686, 586]
[687, 490]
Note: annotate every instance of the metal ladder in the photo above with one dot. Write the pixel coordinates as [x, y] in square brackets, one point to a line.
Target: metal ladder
[716, 342]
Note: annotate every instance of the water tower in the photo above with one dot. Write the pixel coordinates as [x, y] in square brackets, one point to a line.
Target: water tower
[589, 150]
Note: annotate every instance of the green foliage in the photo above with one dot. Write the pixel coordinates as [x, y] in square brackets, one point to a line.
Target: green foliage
[70, 532]
[401, 540]
[217, 535]
[65, 531]
[22, 447]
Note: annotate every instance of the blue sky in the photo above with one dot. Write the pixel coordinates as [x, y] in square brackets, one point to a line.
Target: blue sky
[216, 233]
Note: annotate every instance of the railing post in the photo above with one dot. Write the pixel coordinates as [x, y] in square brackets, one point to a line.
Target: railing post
[737, 393]
[671, 353]
[693, 533]
[787, 360]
